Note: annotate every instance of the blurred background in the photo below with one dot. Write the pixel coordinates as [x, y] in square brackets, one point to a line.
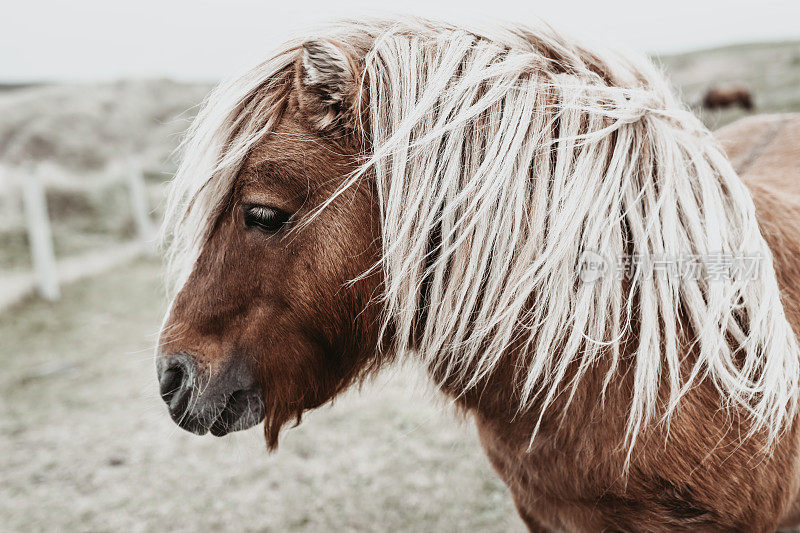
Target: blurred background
[94, 97]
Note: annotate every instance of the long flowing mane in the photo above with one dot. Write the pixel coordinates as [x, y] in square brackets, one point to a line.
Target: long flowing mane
[499, 159]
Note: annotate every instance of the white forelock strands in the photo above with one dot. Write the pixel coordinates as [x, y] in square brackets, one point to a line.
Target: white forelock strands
[496, 166]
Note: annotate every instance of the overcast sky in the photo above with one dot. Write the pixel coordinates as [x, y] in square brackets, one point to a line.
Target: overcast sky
[205, 40]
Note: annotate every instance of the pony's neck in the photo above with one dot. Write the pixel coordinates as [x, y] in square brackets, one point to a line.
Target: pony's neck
[497, 169]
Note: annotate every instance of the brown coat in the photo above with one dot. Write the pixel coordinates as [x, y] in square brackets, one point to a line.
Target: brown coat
[571, 479]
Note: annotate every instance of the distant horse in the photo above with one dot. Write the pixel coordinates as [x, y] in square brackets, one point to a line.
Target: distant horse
[415, 189]
[723, 97]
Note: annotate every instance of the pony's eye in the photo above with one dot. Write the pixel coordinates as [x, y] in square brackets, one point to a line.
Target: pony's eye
[265, 218]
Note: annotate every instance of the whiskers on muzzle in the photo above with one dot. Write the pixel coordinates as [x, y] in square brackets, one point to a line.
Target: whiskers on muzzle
[199, 401]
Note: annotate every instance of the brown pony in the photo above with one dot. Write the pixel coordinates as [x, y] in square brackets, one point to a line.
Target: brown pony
[723, 97]
[414, 189]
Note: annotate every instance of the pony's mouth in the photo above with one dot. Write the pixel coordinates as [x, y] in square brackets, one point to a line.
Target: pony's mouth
[243, 409]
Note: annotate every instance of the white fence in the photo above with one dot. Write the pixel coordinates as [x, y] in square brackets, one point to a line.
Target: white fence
[49, 274]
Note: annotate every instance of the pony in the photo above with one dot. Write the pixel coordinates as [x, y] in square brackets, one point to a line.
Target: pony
[505, 207]
[724, 97]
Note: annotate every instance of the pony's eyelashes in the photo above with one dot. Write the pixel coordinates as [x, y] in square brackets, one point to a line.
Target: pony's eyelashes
[264, 217]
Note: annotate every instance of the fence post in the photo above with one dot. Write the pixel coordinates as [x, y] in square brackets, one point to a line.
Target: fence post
[139, 203]
[9, 197]
[40, 236]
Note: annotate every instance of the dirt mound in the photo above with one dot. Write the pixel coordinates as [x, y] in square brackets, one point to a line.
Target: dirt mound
[86, 126]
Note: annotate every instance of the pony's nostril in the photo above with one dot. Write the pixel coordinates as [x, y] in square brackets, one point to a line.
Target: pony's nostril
[178, 376]
[171, 382]
[175, 384]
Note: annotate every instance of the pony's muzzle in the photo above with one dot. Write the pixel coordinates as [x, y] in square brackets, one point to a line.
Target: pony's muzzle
[199, 403]
[176, 379]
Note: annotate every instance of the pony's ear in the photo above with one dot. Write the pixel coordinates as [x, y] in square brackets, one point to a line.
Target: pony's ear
[326, 80]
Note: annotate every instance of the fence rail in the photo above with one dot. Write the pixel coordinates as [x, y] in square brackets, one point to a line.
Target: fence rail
[49, 273]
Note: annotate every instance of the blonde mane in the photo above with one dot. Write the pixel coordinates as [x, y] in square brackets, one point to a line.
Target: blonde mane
[499, 159]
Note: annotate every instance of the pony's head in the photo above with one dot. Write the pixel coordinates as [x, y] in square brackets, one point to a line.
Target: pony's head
[269, 321]
[416, 187]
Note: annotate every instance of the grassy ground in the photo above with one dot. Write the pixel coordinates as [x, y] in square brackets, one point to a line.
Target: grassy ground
[86, 444]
